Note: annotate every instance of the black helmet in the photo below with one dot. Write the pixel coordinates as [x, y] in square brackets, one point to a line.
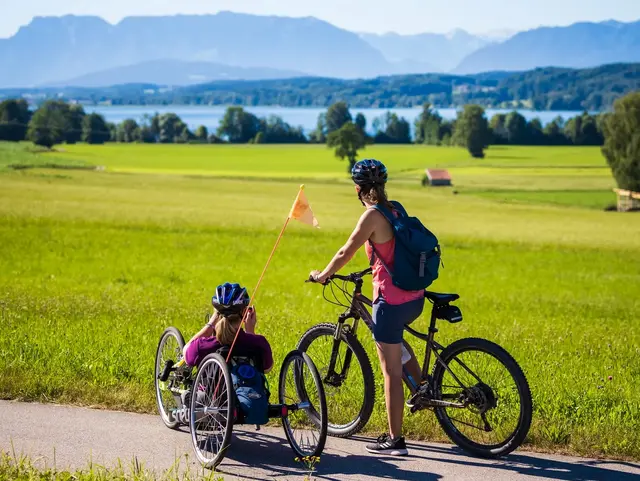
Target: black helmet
[368, 172]
[230, 299]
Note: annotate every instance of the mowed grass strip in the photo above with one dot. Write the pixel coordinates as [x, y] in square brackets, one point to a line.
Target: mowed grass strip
[95, 265]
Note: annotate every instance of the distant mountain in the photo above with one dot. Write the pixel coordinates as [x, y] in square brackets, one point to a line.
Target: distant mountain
[174, 72]
[54, 48]
[425, 52]
[579, 45]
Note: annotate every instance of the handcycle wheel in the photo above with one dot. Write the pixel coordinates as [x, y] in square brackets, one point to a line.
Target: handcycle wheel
[212, 411]
[301, 390]
[485, 377]
[169, 351]
[351, 391]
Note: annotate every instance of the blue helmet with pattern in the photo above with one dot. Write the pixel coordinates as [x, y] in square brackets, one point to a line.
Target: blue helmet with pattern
[369, 172]
[230, 299]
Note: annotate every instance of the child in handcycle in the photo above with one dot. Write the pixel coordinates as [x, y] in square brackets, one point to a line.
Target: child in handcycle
[231, 303]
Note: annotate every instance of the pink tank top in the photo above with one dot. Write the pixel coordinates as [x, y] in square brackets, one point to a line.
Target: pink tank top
[382, 284]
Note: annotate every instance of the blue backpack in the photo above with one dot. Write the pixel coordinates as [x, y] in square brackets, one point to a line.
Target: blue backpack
[416, 258]
[252, 393]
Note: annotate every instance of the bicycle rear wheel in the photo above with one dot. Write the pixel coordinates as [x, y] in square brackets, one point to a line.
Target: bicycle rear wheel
[490, 385]
[349, 386]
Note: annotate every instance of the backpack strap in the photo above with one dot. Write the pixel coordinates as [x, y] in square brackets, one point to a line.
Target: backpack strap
[386, 212]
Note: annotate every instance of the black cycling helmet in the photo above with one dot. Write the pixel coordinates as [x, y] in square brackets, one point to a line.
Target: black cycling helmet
[230, 299]
[369, 172]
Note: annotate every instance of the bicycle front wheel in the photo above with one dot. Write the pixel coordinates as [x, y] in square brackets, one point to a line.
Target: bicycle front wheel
[348, 384]
[491, 402]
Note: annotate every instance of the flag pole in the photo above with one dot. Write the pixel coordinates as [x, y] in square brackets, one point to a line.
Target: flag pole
[255, 291]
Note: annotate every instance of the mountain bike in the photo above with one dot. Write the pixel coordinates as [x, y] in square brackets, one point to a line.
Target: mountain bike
[478, 392]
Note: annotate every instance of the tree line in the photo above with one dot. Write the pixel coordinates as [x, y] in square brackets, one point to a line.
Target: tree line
[591, 89]
[56, 122]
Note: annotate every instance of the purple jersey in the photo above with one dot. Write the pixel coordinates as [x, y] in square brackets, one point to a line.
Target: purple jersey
[201, 347]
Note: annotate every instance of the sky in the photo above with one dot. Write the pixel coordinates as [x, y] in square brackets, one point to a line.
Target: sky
[378, 16]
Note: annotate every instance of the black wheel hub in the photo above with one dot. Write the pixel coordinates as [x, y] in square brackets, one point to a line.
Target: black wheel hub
[481, 397]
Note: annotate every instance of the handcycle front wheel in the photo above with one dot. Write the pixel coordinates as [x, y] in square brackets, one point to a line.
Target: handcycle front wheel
[305, 406]
[485, 378]
[168, 354]
[349, 384]
[212, 411]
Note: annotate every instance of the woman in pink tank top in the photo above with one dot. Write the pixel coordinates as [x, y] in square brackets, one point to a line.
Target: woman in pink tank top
[393, 308]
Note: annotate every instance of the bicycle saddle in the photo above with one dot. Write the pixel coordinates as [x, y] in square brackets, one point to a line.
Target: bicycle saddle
[438, 298]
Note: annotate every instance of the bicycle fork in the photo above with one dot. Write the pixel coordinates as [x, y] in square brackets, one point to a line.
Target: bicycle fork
[333, 378]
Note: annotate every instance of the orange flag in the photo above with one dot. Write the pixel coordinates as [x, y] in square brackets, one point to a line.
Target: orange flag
[301, 210]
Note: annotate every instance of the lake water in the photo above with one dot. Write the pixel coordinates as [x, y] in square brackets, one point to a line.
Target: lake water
[210, 116]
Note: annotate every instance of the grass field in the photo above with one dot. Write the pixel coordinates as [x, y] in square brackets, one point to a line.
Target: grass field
[95, 264]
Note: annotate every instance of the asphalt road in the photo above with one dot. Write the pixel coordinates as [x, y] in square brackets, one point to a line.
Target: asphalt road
[74, 437]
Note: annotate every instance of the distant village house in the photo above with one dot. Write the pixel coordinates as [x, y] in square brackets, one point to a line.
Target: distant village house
[437, 177]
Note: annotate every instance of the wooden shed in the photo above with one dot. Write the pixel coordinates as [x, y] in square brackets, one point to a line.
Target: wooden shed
[627, 200]
[437, 177]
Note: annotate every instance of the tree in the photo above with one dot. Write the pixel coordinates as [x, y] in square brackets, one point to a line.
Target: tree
[49, 124]
[202, 133]
[535, 134]
[391, 129]
[347, 141]
[337, 115]
[75, 114]
[472, 130]
[622, 142]
[428, 126]
[238, 126]
[554, 132]
[172, 129]
[14, 119]
[516, 126]
[361, 122]
[95, 129]
[319, 135]
[498, 129]
[128, 131]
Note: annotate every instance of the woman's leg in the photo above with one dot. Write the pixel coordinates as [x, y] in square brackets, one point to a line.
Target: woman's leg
[391, 361]
[413, 368]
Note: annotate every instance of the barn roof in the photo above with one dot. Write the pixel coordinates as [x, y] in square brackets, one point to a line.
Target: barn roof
[438, 174]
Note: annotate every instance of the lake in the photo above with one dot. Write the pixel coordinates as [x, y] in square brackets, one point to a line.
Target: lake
[210, 116]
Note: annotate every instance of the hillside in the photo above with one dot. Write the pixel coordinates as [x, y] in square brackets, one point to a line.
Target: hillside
[175, 72]
[579, 45]
[543, 89]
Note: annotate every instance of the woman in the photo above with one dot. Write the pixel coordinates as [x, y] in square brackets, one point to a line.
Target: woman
[231, 303]
[393, 307]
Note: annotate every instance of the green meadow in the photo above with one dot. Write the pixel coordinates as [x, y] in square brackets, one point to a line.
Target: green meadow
[95, 264]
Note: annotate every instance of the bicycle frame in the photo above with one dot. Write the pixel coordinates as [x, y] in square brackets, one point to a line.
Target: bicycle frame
[358, 310]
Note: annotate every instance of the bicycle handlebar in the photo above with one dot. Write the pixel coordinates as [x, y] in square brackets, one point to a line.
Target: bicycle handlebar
[353, 277]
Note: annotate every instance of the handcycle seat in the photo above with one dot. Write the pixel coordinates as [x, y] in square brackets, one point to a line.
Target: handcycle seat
[438, 298]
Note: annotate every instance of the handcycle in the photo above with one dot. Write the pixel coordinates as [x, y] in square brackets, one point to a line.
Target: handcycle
[478, 392]
[204, 398]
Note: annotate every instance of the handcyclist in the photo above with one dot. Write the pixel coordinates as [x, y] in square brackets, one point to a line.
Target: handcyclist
[231, 304]
[393, 307]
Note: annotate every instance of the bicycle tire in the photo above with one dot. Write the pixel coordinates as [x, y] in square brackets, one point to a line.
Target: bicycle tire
[356, 424]
[516, 438]
[169, 332]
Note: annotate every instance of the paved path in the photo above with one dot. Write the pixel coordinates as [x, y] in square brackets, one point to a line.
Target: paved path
[80, 435]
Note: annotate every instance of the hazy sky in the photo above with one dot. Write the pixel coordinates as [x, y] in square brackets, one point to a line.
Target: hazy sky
[403, 16]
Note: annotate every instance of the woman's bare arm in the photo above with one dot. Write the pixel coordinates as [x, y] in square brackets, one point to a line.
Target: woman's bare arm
[362, 232]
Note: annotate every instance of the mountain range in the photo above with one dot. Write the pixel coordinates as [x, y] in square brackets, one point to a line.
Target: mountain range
[188, 49]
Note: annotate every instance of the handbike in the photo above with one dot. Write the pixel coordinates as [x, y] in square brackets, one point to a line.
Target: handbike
[478, 392]
[203, 397]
